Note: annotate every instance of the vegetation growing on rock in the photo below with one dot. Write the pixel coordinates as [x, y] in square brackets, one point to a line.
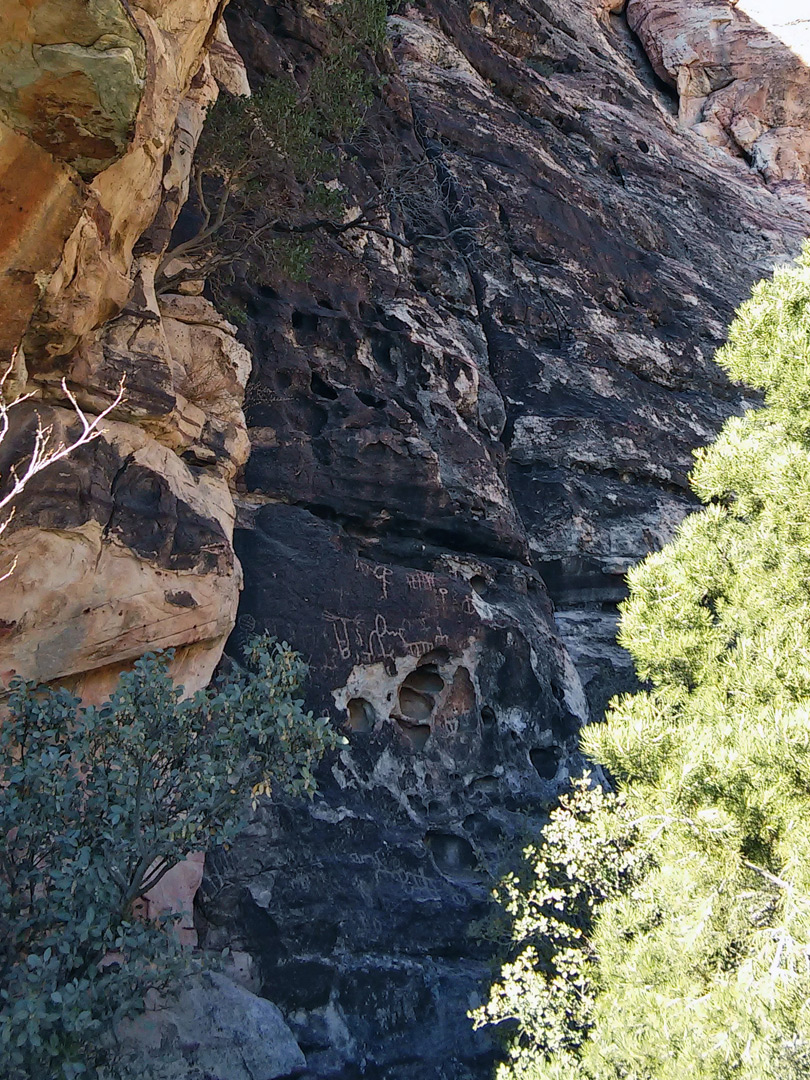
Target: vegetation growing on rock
[98, 804]
[700, 967]
[265, 173]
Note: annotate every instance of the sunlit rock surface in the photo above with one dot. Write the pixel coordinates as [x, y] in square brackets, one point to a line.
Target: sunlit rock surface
[457, 448]
[741, 77]
[125, 546]
[72, 77]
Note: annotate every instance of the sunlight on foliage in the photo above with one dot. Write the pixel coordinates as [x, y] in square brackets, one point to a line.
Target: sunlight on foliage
[701, 971]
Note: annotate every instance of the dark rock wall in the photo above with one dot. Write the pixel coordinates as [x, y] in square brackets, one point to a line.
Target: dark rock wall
[458, 448]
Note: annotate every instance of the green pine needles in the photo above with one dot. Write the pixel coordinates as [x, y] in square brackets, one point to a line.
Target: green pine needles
[97, 805]
[699, 969]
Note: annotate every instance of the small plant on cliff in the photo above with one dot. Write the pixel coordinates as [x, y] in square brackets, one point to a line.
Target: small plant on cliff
[702, 970]
[98, 803]
[265, 174]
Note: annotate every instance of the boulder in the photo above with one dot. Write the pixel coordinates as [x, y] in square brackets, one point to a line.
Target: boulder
[213, 1030]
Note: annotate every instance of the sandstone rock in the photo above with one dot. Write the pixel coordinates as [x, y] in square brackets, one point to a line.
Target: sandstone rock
[36, 218]
[93, 281]
[174, 895]
[740, 75]
[215, 1030]
[450, 441]
[120, 549]
[227, 66]
[72, 77]
[128, 547]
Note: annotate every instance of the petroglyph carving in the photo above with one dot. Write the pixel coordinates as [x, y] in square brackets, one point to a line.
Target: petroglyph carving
[340, 625]
[381, 573]
[419, 648]
[421, 581]
[382, 642]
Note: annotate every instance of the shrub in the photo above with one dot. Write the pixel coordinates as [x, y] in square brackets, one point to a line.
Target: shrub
[702, 972]
[545, 994]
[264, 176]
[98, 804]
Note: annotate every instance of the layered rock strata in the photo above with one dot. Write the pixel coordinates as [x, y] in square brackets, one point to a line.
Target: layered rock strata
[459, 446]
[736, 86]
[126, 545]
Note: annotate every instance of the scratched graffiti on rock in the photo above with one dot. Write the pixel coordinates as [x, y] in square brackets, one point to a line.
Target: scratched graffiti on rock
[356, 642]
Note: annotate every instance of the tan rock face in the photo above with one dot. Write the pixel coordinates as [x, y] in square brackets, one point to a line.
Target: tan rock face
[37, 214]
[740, 76]
[94, 279]
[126, 546]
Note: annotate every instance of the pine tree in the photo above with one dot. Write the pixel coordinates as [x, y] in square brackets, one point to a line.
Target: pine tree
[700, 969]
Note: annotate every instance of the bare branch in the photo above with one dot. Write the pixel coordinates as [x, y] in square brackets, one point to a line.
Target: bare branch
[46, 451]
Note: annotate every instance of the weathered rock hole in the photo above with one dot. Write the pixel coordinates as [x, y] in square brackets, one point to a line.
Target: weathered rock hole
[487, 716]
[425, 679]
[452, 854]
[362, 716]
[486, 785]
[643, 146]
[304, 320]
[369, 399]
[478, 584]
[414, 705]
[416, 735]
[321, 388]
[545, 760]
[482, 827]
[439, 655]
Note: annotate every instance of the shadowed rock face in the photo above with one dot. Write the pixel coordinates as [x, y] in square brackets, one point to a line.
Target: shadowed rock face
[458, 448]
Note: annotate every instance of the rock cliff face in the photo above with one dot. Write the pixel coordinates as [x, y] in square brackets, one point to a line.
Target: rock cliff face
[459, 441]
[459, 447]
[735, 88]
[125, 546]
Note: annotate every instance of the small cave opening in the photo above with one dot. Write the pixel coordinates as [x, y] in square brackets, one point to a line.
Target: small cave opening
[362, 716]
[484, 785]
[304, 321]
[453, 855]
[321, 388]
[369, 400]
[416, 735]
[425, 679]
[546, 760]
[478, 584]
[484, 828]
[487, 716]
[415, 705]
[439, 655]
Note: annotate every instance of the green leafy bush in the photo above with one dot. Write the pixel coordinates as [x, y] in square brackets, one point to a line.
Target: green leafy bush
[702, 970]
[98, 803]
